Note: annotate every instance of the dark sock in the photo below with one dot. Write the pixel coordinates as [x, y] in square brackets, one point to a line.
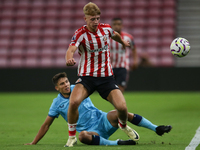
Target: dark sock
[95, 140]
[136, 119]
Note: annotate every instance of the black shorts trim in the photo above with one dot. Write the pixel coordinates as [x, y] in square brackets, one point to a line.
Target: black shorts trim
[120, 75]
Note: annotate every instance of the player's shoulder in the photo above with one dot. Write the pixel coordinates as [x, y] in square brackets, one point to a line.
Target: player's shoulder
[104, 25]
[80, 31]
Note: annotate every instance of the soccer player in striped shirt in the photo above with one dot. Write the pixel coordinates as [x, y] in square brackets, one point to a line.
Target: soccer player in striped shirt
[120, 57]
[94, 69]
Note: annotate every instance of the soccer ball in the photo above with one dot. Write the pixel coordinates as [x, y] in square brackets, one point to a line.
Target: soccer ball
[180, 47]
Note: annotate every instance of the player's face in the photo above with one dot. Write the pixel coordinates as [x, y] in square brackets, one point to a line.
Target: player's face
[63, 86]
[92, 22]
[117, 25]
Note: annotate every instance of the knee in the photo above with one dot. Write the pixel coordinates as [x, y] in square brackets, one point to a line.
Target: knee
[122, 108]
[82, 136]
[74, 103]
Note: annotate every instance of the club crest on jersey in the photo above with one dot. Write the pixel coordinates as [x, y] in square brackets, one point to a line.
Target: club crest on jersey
[104, 38]
[79, 80]
[74, 38]
[90, 42]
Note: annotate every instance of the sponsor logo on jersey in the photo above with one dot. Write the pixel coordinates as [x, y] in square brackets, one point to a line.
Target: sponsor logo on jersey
[61, 106]
[79, 80]
[99, 49]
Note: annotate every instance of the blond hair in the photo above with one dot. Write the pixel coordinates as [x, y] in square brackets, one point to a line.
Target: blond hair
[91, 9]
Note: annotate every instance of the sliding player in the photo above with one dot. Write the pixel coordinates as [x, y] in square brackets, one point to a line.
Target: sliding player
[94, 126]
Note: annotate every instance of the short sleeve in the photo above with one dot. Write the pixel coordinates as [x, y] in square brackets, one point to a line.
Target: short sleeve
[110, 30]
[76, 39]
[53, 110]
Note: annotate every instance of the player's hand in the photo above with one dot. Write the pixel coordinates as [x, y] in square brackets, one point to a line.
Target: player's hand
[29, 144]
[125, 44]
[71, 62]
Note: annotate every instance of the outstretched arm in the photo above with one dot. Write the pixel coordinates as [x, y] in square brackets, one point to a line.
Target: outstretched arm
[70, 61]
[44, 128]
[118, 38]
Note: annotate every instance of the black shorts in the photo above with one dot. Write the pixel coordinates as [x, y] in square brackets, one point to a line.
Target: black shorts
[103, 85]
[120, 75]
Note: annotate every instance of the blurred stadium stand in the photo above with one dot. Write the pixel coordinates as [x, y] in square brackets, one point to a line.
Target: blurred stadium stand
[36, 33]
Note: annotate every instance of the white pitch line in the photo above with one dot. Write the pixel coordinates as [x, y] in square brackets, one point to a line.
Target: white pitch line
[195, 141]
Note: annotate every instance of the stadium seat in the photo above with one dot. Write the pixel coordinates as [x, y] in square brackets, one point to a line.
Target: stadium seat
[4, 53]
[166, 61]
[23, 5]
[36, 13]
[138, 32]
[168, 22]
[34, 33]
[168, 13]
[7, 13]
[141, 4]
[152, 41]
[48, 33]
[33, 43]
[31, 62]
[39, 4]
[3, 63]
[32, 53]
[153, 32]
[167, 32]
[21, 14]
[47, 43]
[19, 33]
[153, 22]
[5, 33]
[140, 42]
[16, 53]
[9, 4]
[46, 62]
[154, 4]
[36, 23]
[60, 62]
[46, 52]
[18, 43]
[139, 23]
[152, 50]
[138, 13]
[154, 13]
[51, 14]
[4, 43]
[169, 4]
[6, 23]
[16, 63]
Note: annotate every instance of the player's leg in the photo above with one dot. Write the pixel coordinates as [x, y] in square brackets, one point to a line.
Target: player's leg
[143, 122]
[138, 121]
[78, 94]
[92, 138]
[117, 99]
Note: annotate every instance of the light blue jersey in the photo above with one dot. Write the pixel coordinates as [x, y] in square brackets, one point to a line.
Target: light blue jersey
[90, 118]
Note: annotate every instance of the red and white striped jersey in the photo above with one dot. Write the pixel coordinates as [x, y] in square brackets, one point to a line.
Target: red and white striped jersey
[94, 50]
[119, 56]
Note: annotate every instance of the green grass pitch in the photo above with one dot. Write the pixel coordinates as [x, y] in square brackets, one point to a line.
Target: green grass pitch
[22, 114]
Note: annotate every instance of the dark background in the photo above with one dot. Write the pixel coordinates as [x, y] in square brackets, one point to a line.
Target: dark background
[142, 79]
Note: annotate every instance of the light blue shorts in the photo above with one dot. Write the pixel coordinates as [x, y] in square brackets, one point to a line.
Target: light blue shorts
[103, 127]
